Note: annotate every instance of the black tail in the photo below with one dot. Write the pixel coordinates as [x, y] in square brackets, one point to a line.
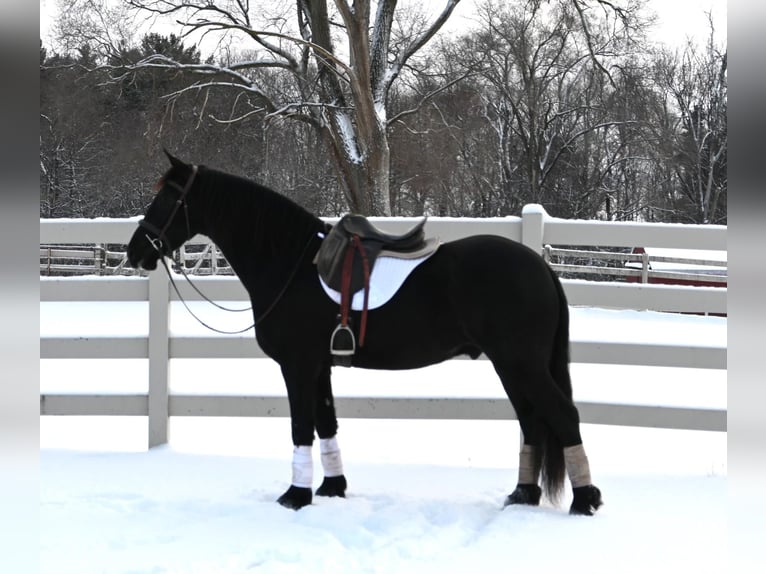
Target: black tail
[551, 453]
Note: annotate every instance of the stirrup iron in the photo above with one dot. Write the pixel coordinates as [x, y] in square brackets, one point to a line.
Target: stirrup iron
[342, 345]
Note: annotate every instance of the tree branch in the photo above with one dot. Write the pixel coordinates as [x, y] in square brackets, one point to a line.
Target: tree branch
[398, 117]
[589, 39]
[577, 135]
[417, 44]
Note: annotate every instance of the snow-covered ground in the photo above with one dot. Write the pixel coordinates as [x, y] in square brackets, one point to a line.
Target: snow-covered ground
[424, 496]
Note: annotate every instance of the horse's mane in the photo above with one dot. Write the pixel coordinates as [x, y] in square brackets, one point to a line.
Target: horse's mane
[235, 202]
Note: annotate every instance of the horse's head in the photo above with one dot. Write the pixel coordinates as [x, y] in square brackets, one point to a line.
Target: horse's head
[167, 223]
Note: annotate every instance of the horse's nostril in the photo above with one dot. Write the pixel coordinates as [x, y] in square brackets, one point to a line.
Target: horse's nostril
[150, 264]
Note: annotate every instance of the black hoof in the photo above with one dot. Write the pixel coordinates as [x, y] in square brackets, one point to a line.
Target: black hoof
[295, 498]
[587, 500]
[528, 494]
[333, 486]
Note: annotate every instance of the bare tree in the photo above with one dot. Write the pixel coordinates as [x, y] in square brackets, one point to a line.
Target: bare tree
[696, 83]
[565, 106]
[342, 61]
[549, 67]
[104, 26]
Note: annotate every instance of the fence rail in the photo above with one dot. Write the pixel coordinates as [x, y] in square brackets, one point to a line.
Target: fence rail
[534, 228]
[635, 265]
[206, 259]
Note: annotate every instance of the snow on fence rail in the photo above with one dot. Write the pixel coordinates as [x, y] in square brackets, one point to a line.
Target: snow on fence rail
[534, 228]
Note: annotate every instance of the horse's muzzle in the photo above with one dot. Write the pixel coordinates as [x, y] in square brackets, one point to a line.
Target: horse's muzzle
[141, 253]
[149, 263]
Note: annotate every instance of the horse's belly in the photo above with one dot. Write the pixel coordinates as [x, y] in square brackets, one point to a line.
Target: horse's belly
[395, 342]
[413, 358]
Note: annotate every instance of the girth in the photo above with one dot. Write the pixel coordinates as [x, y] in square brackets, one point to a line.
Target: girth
[345, 261]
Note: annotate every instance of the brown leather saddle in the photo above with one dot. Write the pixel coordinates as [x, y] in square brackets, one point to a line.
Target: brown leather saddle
[345, 261]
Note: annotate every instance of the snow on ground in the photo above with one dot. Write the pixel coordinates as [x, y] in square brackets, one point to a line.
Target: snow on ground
[179, 510]
[171, 512]
[424, 496]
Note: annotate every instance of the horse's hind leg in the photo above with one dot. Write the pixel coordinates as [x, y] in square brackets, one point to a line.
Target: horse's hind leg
[527, 489]
[586, 497]
[551, 426]
[334, 483]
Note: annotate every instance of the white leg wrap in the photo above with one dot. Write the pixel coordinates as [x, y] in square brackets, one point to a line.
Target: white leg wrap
[528, 473]
[577, 465]
[330, 453]
[303, 467]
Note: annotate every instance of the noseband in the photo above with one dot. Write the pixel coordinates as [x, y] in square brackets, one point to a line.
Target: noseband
[160, 240]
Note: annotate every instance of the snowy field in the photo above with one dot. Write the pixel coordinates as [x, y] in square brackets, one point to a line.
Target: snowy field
[424, 496]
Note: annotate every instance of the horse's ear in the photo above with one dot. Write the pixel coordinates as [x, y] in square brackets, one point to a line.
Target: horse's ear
[174, 161]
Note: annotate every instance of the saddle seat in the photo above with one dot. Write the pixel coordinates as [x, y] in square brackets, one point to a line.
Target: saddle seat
[359, 225]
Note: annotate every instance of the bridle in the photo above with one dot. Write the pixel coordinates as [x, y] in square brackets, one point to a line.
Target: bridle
[160, 241]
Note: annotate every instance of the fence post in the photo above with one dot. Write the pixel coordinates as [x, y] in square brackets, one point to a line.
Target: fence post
[532, 223]
[98, 261]
[159, 353]
[644, 267]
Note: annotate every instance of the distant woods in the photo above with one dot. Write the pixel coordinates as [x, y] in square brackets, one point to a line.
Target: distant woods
[562, 103]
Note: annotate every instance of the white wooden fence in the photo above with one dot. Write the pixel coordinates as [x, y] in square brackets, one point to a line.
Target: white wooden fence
[534, 228]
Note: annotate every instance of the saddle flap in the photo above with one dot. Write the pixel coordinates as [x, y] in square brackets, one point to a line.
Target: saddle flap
[329, 258]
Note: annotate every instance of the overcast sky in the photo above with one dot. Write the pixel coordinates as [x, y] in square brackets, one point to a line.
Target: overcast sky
[680, 18]
[677, 19]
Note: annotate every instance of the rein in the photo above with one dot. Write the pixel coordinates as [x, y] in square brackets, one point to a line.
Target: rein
[258, 321]
[206, 298]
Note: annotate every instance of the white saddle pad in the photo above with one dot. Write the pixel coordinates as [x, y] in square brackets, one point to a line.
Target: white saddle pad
[388, 274]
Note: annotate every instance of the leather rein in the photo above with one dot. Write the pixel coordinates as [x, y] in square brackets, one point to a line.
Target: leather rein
[160, 241]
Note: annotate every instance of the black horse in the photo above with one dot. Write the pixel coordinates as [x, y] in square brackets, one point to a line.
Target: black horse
[482, 294]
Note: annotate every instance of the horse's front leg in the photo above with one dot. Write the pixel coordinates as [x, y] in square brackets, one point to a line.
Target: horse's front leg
[301, 393]
[334, 483]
